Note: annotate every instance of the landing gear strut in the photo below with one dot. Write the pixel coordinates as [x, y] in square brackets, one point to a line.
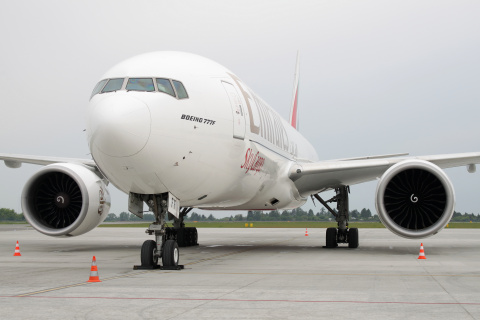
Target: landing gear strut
[163, 246]
[167, 239]
[342, 234]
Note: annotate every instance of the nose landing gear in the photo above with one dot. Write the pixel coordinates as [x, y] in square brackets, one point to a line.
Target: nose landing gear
[163, 246]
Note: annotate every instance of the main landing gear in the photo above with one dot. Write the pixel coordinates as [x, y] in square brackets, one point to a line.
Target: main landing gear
[185, 236]
[167, 240]
[342, 234]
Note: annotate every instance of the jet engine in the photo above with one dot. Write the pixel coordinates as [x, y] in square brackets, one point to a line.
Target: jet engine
[65, 199]
[415, 199]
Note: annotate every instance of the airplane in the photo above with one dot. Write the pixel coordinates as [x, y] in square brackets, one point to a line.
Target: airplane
[177, 131]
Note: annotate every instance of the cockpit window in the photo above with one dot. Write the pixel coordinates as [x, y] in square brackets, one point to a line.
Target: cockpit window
[140, 84]
[181, 92]
[113, 85]
[171, 87]
[98, 87]
[164, 85]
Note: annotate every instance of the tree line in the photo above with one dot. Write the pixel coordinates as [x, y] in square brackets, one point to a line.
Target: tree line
[10, 215]
[291, 215]
[286, 215]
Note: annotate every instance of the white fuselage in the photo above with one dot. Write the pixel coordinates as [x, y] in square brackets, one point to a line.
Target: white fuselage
[220, 148]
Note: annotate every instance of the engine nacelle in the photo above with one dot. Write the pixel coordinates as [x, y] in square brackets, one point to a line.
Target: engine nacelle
[415, 199]
[65, 199]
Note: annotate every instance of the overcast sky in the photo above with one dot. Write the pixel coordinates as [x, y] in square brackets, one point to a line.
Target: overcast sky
[377, 77]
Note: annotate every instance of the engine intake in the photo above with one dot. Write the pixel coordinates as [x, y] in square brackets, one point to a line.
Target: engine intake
[65, 199]
[415, 199]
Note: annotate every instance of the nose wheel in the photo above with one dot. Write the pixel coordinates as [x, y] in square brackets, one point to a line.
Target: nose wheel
[170, 255]
[148, 256]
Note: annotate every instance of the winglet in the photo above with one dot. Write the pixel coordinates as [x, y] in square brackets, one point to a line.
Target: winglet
[293, 110]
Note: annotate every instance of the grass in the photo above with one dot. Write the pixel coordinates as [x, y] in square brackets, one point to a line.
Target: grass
[463, 225]
[266, 224]
[279, 224]
[13, 222]
[254, 224]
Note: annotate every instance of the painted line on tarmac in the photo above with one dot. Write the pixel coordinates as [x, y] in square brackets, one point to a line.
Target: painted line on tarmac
[218, 257]
[30, 294]
[255, 300]
[52, 289]
[249, 248]
[78, 284]
[340, 274]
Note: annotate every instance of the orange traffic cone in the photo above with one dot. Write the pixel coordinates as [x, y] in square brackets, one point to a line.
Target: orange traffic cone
[306, 232]
[422, 253]
[17, 250]
[94, 272]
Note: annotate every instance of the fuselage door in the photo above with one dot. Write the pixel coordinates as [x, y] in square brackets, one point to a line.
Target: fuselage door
[238, 110]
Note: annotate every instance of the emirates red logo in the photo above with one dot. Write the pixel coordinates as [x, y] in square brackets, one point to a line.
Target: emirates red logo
[253, 162]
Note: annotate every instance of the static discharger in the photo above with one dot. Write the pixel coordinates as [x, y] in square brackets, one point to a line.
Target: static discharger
[94, 272]
[422, 252]
[17, 251]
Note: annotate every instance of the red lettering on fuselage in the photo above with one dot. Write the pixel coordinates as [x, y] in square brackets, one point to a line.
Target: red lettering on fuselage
[253, 162]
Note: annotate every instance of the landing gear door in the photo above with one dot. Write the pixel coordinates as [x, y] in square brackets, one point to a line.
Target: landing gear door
[135, 204]
[238, 111]
[173, 206]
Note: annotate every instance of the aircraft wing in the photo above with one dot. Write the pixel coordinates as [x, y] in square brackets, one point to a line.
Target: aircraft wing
[310, 178]
[16, 160]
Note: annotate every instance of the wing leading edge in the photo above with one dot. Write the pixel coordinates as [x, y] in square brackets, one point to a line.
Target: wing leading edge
[310, 178]
[16, 160]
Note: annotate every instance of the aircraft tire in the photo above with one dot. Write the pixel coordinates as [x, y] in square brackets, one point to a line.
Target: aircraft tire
[331, 238]
[170, 254]
[147, 255]
[181, 237]
[353, 238]
[195, 237]
[188, 236]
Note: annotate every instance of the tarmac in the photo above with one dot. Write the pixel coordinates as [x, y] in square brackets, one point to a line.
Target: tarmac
[248, 273]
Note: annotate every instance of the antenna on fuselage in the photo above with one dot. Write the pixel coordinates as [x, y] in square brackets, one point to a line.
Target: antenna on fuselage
[294, 106]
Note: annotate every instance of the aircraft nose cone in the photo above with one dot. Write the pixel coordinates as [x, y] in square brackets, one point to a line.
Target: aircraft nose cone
[120, 125]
